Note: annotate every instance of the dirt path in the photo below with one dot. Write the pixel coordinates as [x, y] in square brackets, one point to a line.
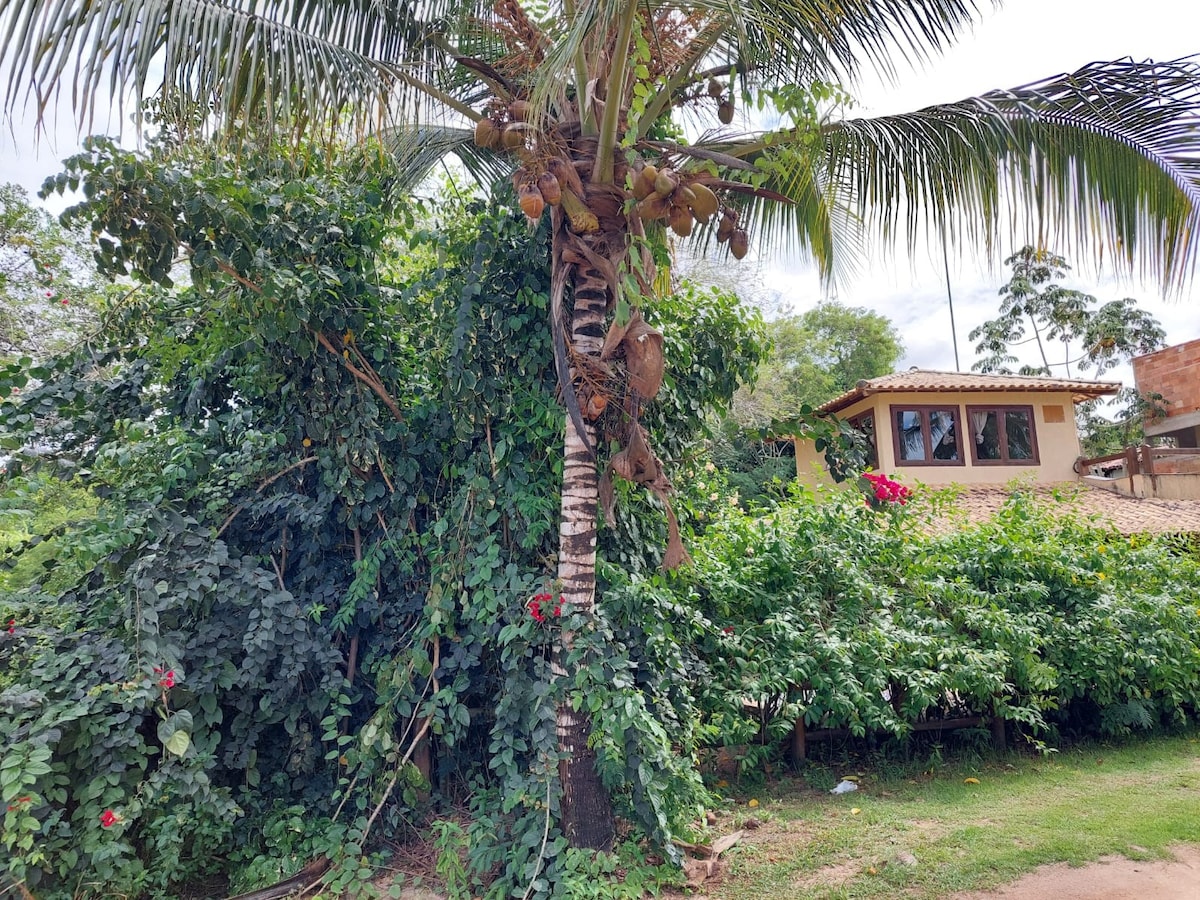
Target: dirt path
[1111, 878]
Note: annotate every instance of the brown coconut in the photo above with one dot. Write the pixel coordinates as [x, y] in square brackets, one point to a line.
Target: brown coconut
[487, 134]
[531, 200]
[550, 189]
[739, 243]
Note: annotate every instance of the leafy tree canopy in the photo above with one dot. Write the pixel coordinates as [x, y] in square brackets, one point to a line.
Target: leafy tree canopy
[814, 357]
[49, 293]
[1037, 309]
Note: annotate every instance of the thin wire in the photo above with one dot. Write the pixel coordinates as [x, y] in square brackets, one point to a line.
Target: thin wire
[950, 300]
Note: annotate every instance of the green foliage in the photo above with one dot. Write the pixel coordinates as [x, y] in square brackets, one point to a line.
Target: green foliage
[814, 357]
[1035, 304]
[872, 620]
[313, 490]
[1125, 424]
[49, 294]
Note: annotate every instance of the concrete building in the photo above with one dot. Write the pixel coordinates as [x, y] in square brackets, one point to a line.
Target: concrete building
[963, 428]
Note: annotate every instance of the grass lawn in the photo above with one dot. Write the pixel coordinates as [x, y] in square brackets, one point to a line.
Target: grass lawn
[963, 828]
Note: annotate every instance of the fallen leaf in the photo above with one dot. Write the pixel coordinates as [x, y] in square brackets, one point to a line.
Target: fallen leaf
[970, 781]
[855, 811]
[753, 804]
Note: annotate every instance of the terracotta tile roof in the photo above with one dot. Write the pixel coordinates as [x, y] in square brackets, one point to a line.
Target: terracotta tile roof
[928, 380]
[1128, 515]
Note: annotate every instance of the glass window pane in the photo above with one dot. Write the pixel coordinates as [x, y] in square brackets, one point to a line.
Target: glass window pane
[943, 434]
[985, 430]
[908, 429]
[866, 424]
[1018, 433]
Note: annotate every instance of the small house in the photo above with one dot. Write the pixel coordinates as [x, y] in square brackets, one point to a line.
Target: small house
[962, 428]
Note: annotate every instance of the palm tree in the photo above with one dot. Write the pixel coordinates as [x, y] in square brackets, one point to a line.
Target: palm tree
[589, 103]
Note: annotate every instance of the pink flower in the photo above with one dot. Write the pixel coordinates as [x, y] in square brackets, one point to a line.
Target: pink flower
[108, 818]
[886, 490]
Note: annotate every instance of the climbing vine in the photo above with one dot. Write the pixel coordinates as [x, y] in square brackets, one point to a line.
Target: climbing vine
[320, 443]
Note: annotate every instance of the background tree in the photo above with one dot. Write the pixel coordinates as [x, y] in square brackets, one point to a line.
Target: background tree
[1038, 310]
[585, 102]
[49, 291]
[814, 357]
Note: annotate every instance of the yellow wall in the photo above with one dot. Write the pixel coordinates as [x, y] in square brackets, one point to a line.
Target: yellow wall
[1058, 443]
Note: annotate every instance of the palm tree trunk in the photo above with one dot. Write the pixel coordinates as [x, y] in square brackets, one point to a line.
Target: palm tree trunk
[587, 816]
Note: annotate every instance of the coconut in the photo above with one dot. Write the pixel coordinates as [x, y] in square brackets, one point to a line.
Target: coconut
[549, 188]
[653, 207]
[725, 112]
[739, 243]
[487, 134]
[513, 137]
[704, 203]
[680, 220]
[715, 89]
[725, 229]
[520, 110]
[665, 182]
[643, 182]
[532, 203]
[568, 178]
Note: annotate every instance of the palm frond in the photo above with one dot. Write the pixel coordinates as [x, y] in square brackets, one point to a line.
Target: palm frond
[1107, 157]
[417, 150]
[797, 41]
[324, 62]
[790, 201]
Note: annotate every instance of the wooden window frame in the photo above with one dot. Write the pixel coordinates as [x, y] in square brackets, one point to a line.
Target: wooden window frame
[1002, 429]
[855, 422]
[925, 409]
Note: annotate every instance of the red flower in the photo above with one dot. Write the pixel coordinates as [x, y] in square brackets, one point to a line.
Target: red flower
[168, 680]
[535, 608]
[886, 490]
[108, 818]
[12, 626]
[728, 629]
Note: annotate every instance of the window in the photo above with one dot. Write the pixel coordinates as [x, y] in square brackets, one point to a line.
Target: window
[864, 424]
[1002, 435]
[926, 436]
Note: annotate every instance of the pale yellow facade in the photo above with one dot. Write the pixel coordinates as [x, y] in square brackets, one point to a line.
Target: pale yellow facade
[1054, 435]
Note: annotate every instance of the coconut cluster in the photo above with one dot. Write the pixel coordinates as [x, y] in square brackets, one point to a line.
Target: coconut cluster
[665, 195]
[679, 200]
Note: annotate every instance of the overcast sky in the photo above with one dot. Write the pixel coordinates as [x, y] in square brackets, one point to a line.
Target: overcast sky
[1023, 41]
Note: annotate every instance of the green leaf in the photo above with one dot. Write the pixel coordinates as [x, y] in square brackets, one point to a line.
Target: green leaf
[178, 743]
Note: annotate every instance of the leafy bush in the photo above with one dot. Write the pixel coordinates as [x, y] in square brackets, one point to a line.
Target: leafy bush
[315, 490]
[830, 609]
